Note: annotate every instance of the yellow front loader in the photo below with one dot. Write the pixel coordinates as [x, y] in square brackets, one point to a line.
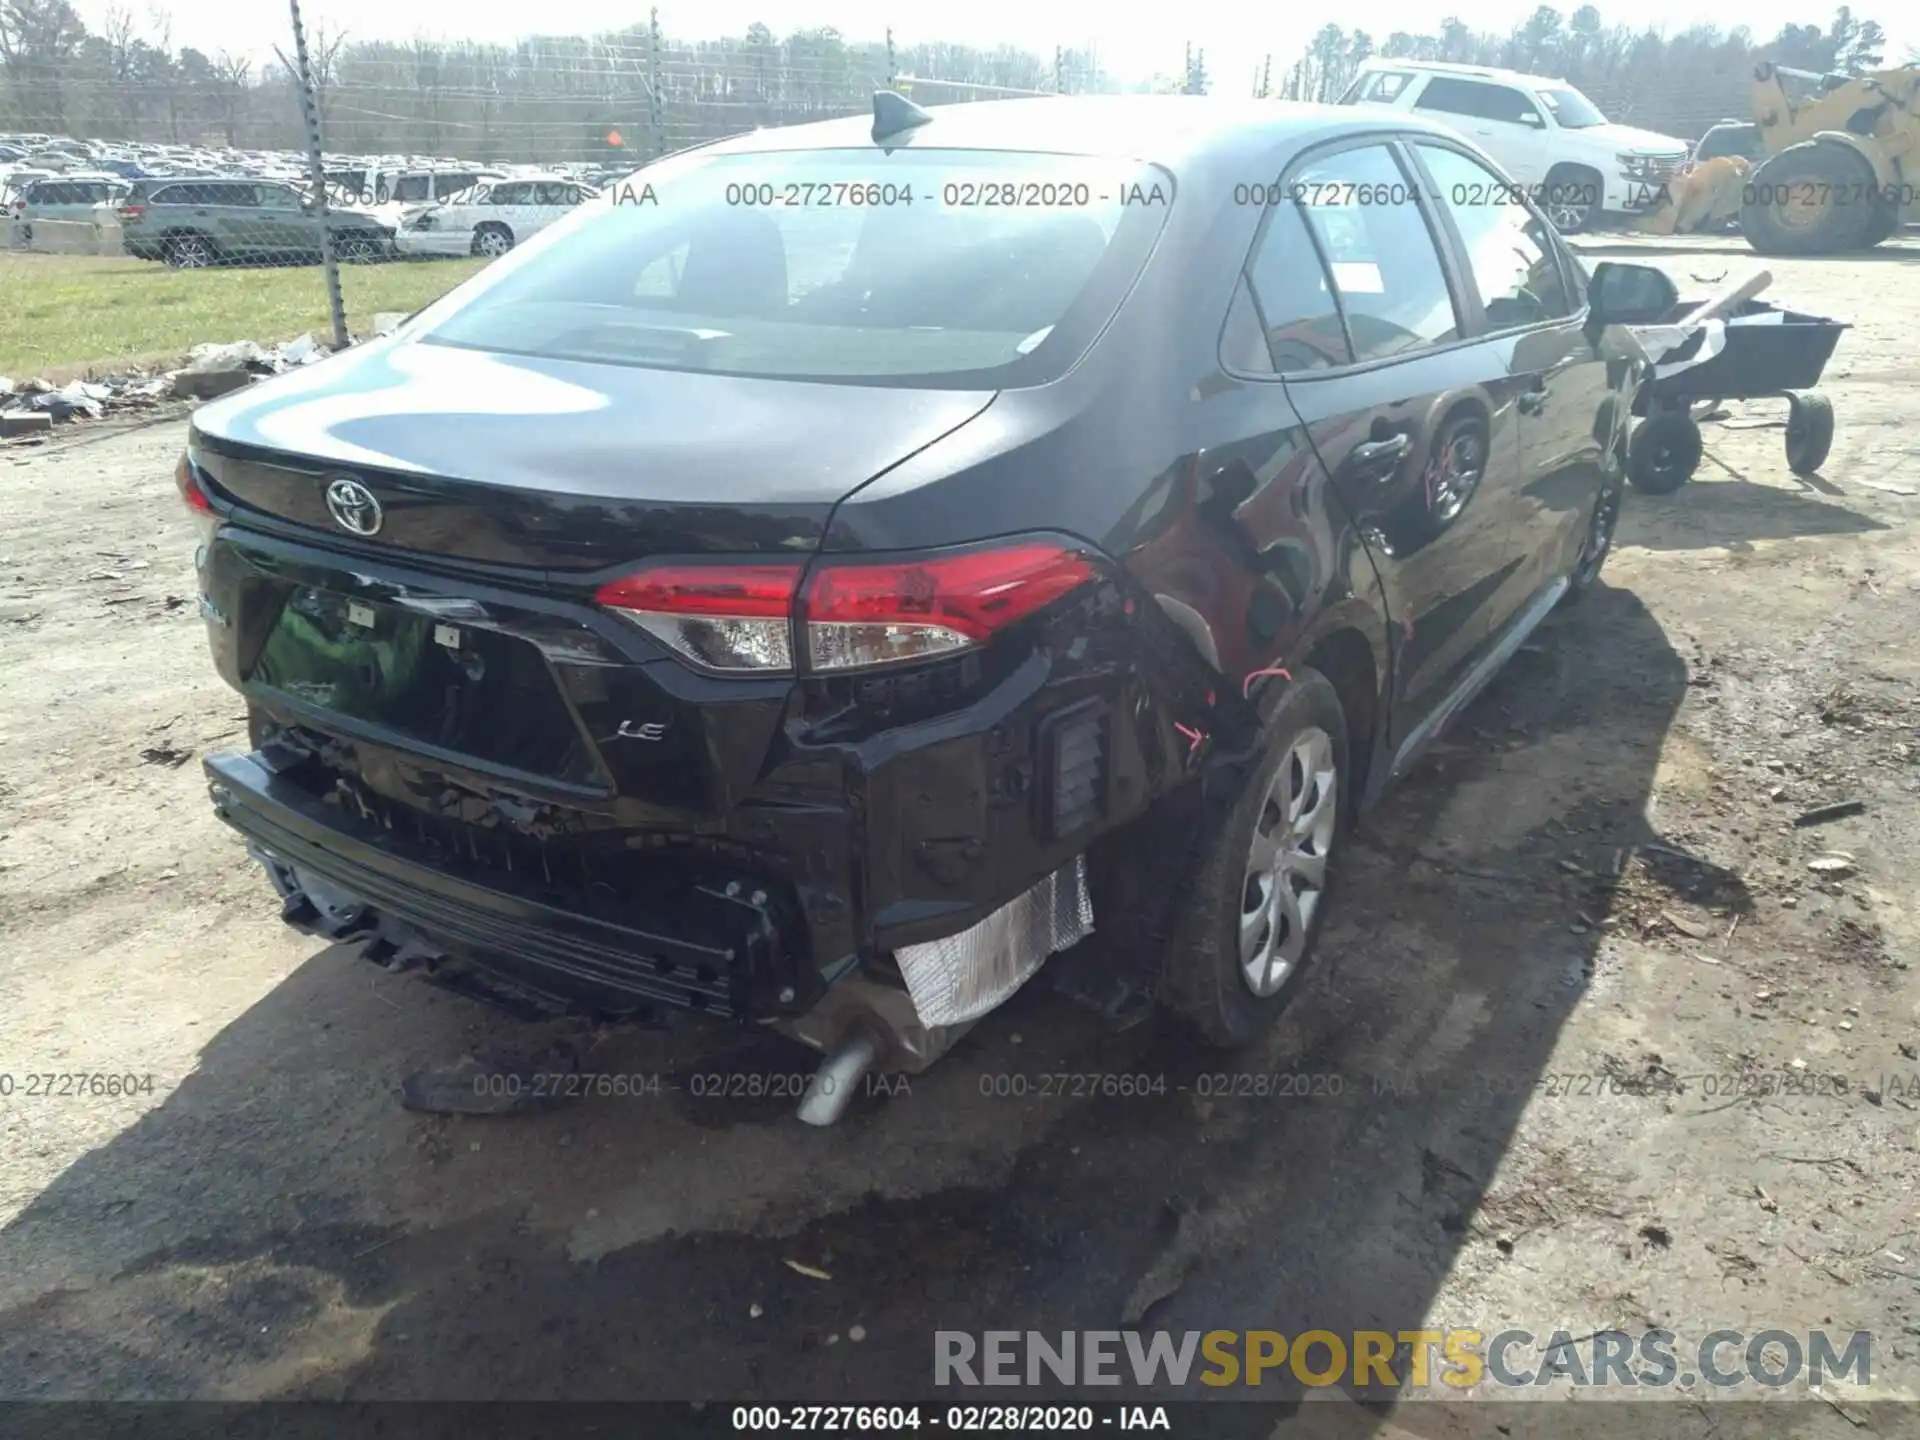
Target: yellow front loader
[1839, 165]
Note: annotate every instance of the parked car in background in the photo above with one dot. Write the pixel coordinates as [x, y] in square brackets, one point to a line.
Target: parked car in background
[1739, 139]
[73, 196]
[372, 188]
[493, 218]
[191, 224]
[810, 616]
[393, 195]
[15, 181]
[1575, 163]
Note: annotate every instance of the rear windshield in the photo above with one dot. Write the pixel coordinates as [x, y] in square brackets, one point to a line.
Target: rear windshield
[949, 268]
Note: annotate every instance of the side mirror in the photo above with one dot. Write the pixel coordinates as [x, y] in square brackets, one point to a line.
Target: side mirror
[1621, 294]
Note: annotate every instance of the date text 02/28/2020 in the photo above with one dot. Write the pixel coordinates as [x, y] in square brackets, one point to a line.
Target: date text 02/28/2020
[960, 1419]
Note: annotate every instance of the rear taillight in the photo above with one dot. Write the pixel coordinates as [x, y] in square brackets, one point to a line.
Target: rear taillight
[187, 480]
[724, 617]
[131, 212]
[188, 484]
[852, 614]
[871, 614]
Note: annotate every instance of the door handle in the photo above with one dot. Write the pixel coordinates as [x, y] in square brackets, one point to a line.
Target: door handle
[1380, 458]
[1532, 402]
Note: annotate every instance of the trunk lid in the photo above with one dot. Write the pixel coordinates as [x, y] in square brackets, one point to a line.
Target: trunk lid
[556, 464]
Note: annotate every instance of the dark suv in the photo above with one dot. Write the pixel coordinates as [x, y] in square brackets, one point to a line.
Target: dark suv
[838, 568]
[191, 224]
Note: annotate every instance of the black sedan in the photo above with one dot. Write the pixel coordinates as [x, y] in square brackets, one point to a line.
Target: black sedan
[844, 565]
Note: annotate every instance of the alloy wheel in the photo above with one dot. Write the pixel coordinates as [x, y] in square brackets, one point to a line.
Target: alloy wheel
[1593, 554]
[1565, 215]
[1456, 475]
[1286, 875]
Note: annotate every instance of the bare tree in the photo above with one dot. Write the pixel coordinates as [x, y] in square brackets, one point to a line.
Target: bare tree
[323, 59]
[232, 75]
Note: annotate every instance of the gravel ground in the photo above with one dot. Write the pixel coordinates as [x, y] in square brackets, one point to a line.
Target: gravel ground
[1594, 887]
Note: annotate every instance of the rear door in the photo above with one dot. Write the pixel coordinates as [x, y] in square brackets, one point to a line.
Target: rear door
[507, 204]
[233, 209]
[283, 224]
[1503, 121]
[1527, 289]
[1357, 295]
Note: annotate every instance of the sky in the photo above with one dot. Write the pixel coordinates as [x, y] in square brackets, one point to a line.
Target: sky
[1133, 43]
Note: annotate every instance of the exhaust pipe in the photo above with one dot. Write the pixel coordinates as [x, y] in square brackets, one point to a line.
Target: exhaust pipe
[832, 1088]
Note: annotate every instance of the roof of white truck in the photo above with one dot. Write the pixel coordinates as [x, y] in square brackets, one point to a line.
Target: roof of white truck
[1448, 67]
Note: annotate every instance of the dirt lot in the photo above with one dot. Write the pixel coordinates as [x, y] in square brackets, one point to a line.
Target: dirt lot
[1594, 887]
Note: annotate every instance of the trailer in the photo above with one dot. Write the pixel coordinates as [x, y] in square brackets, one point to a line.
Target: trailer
[1733, 348]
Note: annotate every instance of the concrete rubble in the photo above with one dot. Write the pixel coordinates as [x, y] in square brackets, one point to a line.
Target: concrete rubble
[32, 407]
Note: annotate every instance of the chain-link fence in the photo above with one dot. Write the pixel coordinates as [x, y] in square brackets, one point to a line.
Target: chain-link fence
[154, 199]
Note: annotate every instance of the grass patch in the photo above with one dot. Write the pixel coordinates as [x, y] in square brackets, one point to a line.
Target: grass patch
[66, 313]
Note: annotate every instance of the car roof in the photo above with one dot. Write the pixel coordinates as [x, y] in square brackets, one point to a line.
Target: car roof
[1177, 131]
[1450, 67]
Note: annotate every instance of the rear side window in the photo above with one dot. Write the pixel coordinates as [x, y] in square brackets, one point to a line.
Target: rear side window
[1383, 87]
[1515, 265]
[449, 185]
[1297, 308]
[950, 268]
[1381, 254]
[1478, 100]
[413, 188]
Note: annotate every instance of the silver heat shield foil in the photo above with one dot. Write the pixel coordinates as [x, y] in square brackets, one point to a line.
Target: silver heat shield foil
[962, 977]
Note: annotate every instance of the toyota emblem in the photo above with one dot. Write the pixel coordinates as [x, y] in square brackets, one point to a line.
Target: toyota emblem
[353, 507]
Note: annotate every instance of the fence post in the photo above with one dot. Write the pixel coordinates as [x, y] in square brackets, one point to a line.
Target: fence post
[656, 110]
[892, 69]
[1059, 71]
[317, 174]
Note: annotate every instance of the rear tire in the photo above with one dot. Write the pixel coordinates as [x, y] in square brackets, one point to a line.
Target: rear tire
[357, 249]
[1784, 216]
[1886, 220]
[1809, 431]
[1243, 935]
[1664, 452]
[492, 240]
[1603, 520]
[188, 252]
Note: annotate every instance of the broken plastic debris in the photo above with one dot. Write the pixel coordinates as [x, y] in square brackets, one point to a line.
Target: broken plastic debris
[233, 355]
[812, 1272]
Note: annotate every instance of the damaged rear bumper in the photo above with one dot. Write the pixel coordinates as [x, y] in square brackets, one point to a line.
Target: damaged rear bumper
[705, 944]
[711, 951]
